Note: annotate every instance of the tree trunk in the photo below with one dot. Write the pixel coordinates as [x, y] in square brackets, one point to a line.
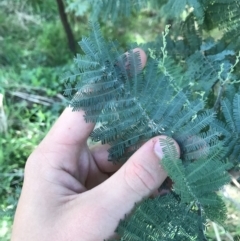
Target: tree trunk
[66, 26]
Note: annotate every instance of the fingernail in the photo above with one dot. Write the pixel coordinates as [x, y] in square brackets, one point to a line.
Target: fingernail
[158, 149]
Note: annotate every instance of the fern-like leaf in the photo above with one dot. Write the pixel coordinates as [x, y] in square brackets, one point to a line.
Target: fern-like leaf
[152, 221]
[115, 9]
[199, 181]
[232, 118]
[133, 105]
[236, 111]
[112, 89]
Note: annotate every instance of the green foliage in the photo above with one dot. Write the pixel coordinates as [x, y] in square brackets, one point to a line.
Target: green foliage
[110, 94]
[19, 46]
[31, 52]
[180, 93]
[52, 48]
[209, 68]
[198, 181]
[26, 127]
[175, 9]
[153, 221]
[80, 7]
[225, 20]
[230, 110]
[114, 9]
[186, 91]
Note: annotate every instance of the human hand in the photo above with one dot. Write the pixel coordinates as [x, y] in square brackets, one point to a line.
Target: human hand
[70, 191]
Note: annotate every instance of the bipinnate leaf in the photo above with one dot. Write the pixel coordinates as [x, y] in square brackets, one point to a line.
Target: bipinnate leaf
[163, 218]
[199, 180]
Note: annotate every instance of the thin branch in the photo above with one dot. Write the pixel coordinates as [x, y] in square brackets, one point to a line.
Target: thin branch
[227, 234]
[33, 98]
[233, 201]
[201, 227]
[217, 102]
[235, 182]
[216, 231]
[3, 117]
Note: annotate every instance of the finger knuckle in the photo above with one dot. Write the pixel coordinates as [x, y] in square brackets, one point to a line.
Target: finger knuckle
[140, 178]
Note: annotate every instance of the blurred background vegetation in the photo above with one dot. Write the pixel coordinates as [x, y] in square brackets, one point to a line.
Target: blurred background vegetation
[38, 41]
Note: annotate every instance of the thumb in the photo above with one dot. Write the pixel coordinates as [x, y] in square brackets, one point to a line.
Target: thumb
[137, 179]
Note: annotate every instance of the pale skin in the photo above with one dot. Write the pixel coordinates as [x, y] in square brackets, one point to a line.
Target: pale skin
[72, 192]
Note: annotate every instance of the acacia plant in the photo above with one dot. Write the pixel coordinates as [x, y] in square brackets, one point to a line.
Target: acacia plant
[187, 91]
